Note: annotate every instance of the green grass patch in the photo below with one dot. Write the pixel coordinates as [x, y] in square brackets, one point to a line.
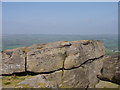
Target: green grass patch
[12, 81]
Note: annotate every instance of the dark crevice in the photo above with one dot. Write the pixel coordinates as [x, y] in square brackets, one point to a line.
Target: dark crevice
[87, 87]
[65, 55]
[88, 61]
[26, 64]
[9, 53]
[86, 43]
[30, 73]
[25, 53]
[116, 81]
[67, 45]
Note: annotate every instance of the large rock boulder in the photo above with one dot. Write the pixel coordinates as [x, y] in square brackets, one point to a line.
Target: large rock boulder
[63, 54]
[111, 69]
[50, 57]
[63, 64]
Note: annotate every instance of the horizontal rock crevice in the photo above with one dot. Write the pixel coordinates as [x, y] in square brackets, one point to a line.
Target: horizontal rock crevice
[36, 73]
[87, 61]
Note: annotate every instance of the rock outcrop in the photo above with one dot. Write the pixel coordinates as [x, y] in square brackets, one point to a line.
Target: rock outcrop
[50, 57]
[111, 69]
[63, 64]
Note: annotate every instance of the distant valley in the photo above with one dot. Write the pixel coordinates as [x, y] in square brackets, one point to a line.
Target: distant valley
[14, 41]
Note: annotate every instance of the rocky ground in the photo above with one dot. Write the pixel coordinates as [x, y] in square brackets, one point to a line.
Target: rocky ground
[63, 64]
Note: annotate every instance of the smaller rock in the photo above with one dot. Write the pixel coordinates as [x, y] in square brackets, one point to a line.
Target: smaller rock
[43, 81]
[111, 69]
[105, 84]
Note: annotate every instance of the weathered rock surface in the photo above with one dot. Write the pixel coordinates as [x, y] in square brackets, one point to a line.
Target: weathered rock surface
[80, 52]
[51, 80]
[111, 69]
[13, 61]
[75, 78]
[81, 77]
[45, 60]
[52, 56]
[63, 64]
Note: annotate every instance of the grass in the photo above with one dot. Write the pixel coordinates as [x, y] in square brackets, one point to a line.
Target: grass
[12, 81]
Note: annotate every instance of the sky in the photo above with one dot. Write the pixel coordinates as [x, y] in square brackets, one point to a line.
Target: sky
[0, 20]
[60, 18]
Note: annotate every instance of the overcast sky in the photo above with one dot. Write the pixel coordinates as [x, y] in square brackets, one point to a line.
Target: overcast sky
[60, 18]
